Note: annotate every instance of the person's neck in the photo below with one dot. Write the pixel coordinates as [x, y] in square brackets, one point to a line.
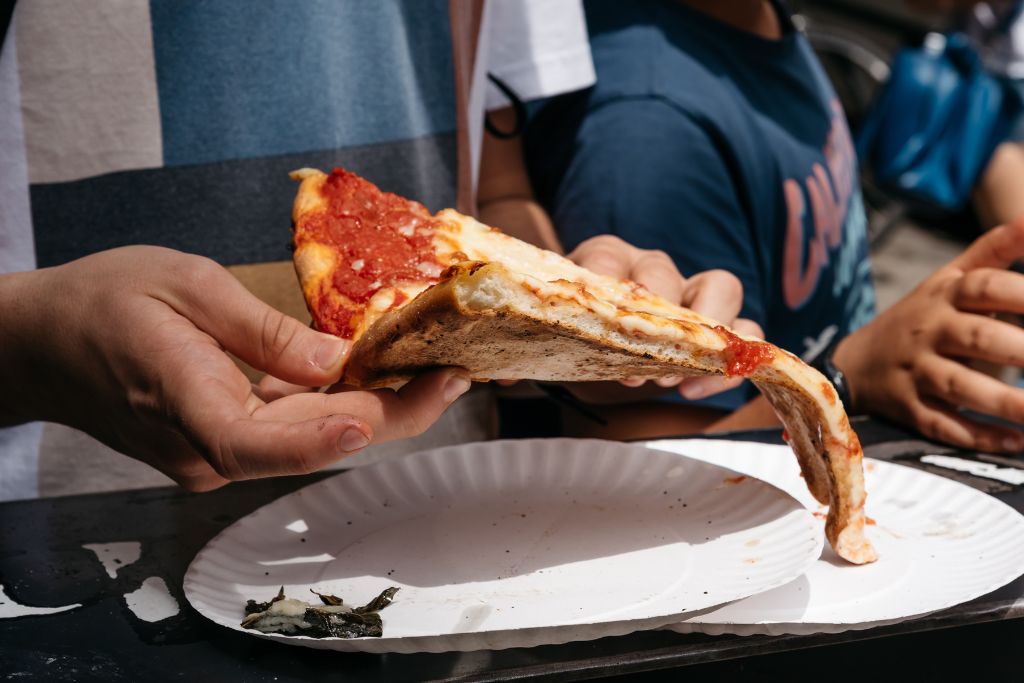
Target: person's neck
[754, 16]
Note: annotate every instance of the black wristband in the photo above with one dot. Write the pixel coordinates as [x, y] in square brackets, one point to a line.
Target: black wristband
[823, 364]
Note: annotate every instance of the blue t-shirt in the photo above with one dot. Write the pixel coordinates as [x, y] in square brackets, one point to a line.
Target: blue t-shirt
[721, 148]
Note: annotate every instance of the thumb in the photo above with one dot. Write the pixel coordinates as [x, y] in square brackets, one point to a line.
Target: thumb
[283, 347]
[998, 248]
[260, 335]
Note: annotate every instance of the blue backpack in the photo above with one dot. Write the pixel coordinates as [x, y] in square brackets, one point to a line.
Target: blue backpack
[936, 122]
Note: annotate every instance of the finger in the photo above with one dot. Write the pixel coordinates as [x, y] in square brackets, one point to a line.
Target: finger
[998, 248]
[271, 388]
[696, 388]
[238, 445]
[989, 290]
[656, 271]
[200, 483]
[417, 405]
[250, 448]
[633, 382]
[189, 470]
[389, 414]
[748, 327]
[957, 385]
[260, 335]
[605, 254]
[289, 437]
[172, 454]
[984, 338]
[716, 294]
[941, 423]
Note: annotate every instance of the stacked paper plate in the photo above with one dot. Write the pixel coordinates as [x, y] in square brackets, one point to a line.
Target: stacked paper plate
[940, 543]
[521, 543]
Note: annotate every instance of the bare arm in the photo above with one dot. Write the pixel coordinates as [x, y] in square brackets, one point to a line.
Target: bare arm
[505, 197]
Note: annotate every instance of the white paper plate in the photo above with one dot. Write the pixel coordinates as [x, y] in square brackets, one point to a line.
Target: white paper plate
[940, 543]
[512, 544]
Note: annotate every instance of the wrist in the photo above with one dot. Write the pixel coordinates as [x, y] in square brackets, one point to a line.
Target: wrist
[19, 348]
[831, 363]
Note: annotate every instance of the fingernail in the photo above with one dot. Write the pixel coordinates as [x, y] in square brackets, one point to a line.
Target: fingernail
[1012, 443]
[330, 352]
[457, 385]
[693, 391]
[668, 381]
[352, 440]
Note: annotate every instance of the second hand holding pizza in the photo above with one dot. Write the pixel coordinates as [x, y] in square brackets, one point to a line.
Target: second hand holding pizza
[716, 294]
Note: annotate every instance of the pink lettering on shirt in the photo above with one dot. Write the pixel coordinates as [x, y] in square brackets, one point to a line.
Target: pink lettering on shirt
[828, 193]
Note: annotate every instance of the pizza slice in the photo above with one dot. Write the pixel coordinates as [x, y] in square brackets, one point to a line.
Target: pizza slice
[417, 291]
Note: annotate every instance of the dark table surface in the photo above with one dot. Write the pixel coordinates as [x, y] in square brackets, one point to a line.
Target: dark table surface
[43, 563]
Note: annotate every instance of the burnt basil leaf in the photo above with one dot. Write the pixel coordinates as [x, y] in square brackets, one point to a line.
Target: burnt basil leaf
[253, 607]
[328, 599]
[379, 602]
[343, 624]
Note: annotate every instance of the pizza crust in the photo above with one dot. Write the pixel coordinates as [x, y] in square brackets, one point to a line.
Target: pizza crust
[489, 321]
[309, 199]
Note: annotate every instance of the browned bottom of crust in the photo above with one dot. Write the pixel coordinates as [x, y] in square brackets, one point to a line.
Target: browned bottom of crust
[437, 330]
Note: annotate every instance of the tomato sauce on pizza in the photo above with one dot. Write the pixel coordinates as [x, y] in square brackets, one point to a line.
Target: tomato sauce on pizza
[382, 240]
[742, 356]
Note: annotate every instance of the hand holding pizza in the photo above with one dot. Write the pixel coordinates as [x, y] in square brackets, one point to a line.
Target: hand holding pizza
[130, 346]
[910, 363]
[716, 294]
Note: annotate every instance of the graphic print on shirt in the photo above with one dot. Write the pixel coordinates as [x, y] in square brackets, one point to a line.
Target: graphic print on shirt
[826, 223]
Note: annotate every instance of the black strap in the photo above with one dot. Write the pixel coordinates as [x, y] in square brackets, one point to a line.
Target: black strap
[785, 15]
[517, 107]
[823, 364]
[6, 12]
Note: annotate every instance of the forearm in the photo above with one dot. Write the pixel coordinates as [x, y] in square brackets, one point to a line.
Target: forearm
[998, 198]
[505, 196]
[523, 218]
[757, 414]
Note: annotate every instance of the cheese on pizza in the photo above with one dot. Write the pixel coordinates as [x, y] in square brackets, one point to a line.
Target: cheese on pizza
[417, 291]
